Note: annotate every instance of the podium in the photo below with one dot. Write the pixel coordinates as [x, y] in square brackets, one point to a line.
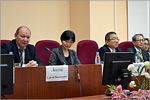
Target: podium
[30, 83]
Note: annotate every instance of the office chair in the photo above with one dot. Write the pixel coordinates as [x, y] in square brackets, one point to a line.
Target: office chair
[4, 41]
[86, 51]
[43, 55]
[125, 45]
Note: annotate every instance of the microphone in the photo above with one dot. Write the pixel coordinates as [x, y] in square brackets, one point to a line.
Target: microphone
[47, 49]
[79, 81]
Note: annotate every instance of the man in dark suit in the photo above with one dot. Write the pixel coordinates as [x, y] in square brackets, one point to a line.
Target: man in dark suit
[111, 44]
[138, 42]
[24, 53]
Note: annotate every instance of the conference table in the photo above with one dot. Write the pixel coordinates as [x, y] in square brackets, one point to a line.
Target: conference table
[102, 97]
[30, 83]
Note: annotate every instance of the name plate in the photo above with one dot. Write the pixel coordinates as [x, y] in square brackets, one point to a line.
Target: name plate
[57, 73]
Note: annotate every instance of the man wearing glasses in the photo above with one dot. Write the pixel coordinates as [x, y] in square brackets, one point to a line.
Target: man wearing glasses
[111, 44]
[138, 42]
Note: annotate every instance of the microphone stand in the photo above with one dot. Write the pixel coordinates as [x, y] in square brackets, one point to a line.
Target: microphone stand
[79, 81]
[47, 49]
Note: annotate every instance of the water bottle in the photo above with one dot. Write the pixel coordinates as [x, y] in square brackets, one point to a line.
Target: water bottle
[13, 60]
[137, 57]
[97, 58]
[10, 52]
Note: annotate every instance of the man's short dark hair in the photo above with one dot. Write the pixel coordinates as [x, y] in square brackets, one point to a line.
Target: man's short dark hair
[107, 36]
[66, 35]
[135, 36]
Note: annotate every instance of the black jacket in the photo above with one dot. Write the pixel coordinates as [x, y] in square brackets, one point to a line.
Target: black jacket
[144, 53]
[30, 53]
[57, 57]
[104, 49]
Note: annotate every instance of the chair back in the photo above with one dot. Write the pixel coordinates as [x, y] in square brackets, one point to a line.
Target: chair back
[4, 41]
[125, 45]
[44, 55]
[86, 51]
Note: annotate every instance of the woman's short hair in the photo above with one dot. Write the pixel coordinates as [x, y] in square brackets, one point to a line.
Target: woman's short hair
[66, 35]
[146, 39]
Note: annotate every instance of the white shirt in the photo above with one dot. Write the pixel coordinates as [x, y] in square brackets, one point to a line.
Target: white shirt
[112, 50]
[137, 49]
[23, 54]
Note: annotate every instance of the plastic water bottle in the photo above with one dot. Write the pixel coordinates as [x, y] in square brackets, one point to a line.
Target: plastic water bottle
[97, 58]
[137, 57]
[13, 60]
[10, 52]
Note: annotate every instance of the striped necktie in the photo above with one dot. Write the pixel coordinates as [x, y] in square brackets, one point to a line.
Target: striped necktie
[21, 57]
[141, 57]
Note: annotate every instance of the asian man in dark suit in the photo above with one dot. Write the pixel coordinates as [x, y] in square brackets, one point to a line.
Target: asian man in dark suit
[111, 44]
[24, 53]
[138, 42]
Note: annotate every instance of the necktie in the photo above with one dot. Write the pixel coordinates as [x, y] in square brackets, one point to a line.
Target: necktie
[20, 55]
[141, 57]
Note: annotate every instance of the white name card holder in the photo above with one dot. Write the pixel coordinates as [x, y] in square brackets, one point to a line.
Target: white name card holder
[57, 73]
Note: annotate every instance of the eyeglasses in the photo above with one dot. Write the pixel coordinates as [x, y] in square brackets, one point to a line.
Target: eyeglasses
[140, 40]
[146, 44]
[115, 39]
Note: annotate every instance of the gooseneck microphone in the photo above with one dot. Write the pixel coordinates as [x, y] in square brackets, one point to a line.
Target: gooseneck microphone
[47, 49]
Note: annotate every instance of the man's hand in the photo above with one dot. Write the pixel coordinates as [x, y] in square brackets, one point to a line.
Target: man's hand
[31, 63]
